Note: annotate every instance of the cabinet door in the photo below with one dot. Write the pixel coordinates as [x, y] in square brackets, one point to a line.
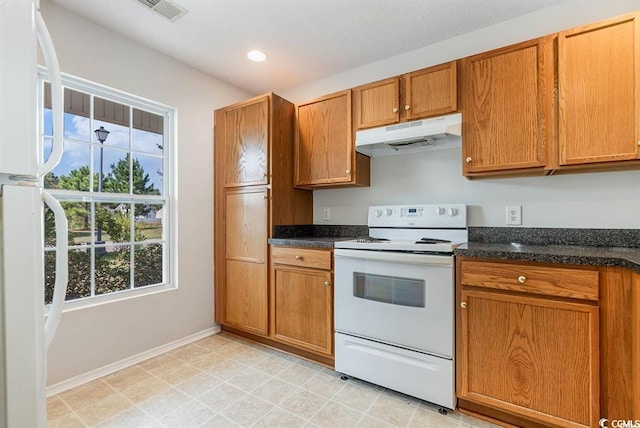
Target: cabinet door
[599, 92]
[431, 92]
[535, 357]
[247, 143]
[506, 108]
[245, 296]
[324, 142]
[377, 103]
[302, 308]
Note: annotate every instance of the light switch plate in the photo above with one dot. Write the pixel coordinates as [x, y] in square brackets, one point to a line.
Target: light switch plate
[326, 214]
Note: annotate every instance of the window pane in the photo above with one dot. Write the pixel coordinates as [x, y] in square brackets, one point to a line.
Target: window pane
[114, 167]
[147, 175]
[113, 269]
[147, 265]
[47, 147]
[148, 219]
[110, 112]
[113, 222]
[76, 127]
[73, 169]
[79, 274]
[49, 275]
[150, 142]
[79, 219]
[48, 122]
[118, 135]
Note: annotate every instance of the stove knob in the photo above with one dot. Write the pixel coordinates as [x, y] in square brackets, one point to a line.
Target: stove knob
[439, 211]
[452, 212]
[388, 212]
[377, 213]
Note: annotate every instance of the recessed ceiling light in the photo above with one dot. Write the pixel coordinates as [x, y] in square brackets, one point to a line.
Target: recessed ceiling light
[256, 56]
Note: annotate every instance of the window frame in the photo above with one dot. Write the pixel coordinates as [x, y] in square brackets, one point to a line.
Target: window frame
[168, 196]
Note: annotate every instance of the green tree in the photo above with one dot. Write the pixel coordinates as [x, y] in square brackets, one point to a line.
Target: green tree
[51, 181]
[78, 179]
[117, 181]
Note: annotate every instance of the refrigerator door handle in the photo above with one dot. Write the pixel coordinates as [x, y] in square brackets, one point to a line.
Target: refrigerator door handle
[57, 111]
[62, 268]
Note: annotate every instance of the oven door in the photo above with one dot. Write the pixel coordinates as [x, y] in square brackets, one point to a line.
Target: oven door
[402, 299]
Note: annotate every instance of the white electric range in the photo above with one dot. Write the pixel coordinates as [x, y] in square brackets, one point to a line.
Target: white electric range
[394, 300]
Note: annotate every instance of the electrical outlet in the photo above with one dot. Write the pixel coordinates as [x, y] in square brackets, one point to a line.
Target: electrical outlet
[514, 214]
[326, 214]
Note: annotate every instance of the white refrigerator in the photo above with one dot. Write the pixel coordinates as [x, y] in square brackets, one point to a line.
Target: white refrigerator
[24, 333]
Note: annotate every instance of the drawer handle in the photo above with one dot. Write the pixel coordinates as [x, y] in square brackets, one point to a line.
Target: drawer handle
[327, 283]
[299, 258]
[463, 305]
[522, 279]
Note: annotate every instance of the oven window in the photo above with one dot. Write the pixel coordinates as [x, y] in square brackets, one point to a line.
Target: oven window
[389, 289]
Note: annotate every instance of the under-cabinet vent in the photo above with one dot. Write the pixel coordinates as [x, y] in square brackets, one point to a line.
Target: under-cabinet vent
[169, 10]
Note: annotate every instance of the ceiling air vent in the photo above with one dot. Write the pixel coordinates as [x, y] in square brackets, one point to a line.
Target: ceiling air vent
[165, 8]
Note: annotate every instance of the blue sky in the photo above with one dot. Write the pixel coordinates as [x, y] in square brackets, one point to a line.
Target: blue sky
[80, 141]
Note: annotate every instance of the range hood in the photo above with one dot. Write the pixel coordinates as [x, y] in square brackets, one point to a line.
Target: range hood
[421, 135]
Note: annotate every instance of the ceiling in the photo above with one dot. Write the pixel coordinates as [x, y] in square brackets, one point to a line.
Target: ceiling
[305, 40]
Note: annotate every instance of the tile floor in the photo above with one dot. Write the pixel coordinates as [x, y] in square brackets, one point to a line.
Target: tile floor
[224, 381]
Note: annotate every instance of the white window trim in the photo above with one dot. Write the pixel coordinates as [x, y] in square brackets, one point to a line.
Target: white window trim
[170, 187]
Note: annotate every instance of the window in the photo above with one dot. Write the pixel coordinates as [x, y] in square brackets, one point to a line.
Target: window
[114, 182]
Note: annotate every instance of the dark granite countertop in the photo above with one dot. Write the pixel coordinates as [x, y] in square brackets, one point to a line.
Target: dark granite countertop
[308, 241]
[315, 235]
[567, 246]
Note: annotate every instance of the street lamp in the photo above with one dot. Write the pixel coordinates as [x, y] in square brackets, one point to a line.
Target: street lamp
[101, 135]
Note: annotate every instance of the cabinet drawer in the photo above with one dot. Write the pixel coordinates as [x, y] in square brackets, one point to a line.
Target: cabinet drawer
[319, 259]
[552, 281]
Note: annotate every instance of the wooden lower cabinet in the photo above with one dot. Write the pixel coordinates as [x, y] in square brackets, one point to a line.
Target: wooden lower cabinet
[547, 345]
[245, 266]
[302, 299]
[303, 308]
[246, 296]
[533, 356]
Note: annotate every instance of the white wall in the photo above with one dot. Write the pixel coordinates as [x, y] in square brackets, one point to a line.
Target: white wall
[93, 337]
[608, 199]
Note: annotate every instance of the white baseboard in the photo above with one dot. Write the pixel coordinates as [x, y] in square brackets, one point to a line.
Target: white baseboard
[129, 361]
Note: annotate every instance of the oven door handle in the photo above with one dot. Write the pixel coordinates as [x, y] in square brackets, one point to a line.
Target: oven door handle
[395, 257]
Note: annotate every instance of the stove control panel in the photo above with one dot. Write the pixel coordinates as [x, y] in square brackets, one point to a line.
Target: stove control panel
[418, 216]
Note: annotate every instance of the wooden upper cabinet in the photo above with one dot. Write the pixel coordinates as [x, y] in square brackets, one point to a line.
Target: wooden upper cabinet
[324, 152]
[506, 120]
[599, 92]
[430, 92]
[246, 143]
[377, 103]
[412, 96]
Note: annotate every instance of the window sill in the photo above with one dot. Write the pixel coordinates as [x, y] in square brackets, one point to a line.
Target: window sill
[89, 302]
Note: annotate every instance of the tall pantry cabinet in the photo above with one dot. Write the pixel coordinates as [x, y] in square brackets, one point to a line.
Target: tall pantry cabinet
[253, 192]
